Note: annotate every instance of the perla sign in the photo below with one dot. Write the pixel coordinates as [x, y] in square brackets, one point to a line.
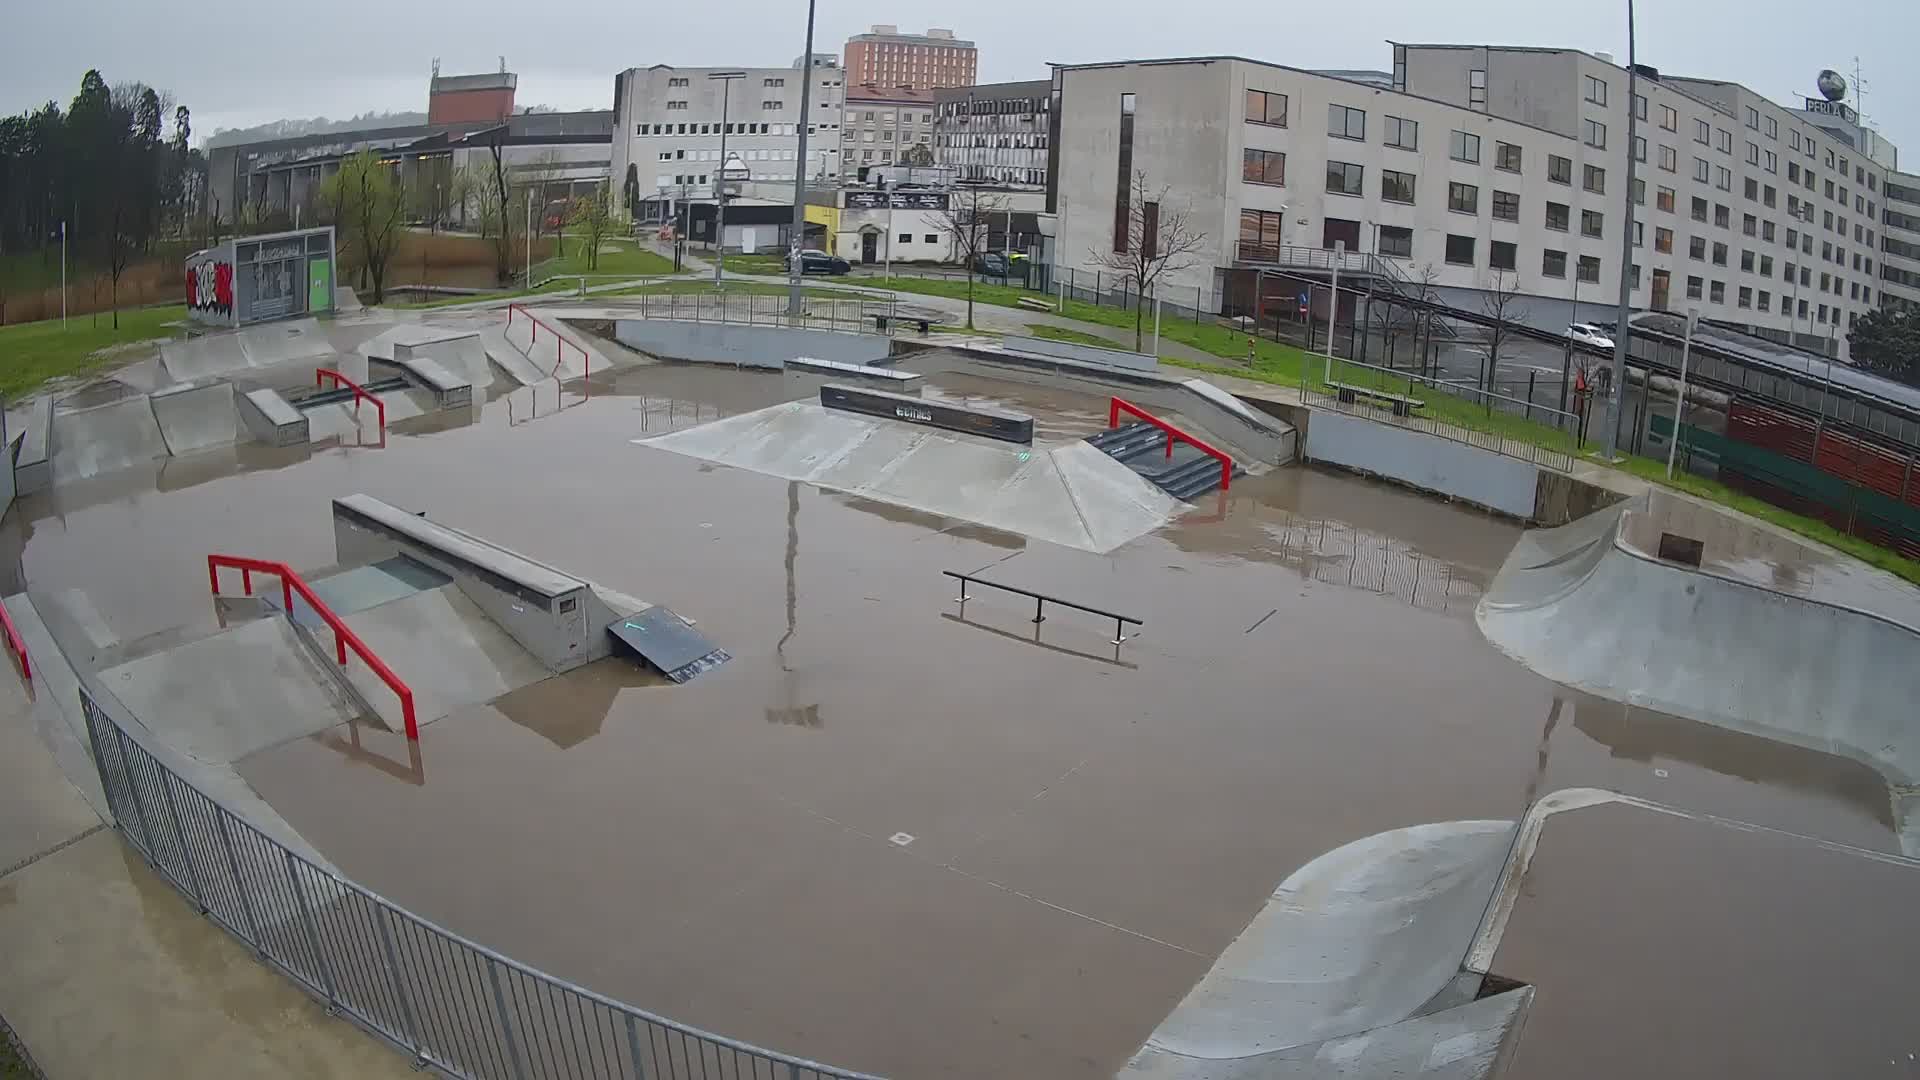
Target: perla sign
[1832, 108]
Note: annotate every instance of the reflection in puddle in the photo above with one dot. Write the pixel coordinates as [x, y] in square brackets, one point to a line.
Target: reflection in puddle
[569, 709]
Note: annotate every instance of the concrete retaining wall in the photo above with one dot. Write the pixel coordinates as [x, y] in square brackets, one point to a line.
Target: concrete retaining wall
[1087, 354]
[747, 345]
[1428, 462]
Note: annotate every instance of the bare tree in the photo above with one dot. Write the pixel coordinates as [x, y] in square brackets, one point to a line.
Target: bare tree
[1159, 239]
[497, 195]
[965, 221]
[592, 217]
[1498, 303]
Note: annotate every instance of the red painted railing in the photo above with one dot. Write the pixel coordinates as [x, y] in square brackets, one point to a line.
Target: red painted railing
[321, 376]
[1174, 434]
[343, 638]
[559, 342]
[15, 644]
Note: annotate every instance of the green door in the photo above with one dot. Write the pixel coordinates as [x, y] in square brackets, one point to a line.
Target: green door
[319, 285]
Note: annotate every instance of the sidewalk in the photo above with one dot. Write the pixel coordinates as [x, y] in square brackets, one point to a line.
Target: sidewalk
[109, 971]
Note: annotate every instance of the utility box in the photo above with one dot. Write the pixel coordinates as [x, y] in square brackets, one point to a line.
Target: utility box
[252, 279]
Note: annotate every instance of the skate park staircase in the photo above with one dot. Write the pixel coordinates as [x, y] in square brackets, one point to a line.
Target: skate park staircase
[555, 354]
[1183, 466]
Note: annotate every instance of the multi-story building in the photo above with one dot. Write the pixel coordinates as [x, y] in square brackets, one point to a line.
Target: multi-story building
[1482, 167]
[456, 99]
[886, 57]
[998, 132]
[1900, 241]
[669, 124]
[881, 124]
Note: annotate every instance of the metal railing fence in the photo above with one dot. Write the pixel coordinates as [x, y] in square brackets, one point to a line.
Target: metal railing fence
[1554, 441]
[818, 312]
[456, 1006]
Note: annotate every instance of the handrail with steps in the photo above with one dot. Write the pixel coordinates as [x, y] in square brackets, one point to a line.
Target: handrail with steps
[586, 361]
[320, 377]
[1117, 406]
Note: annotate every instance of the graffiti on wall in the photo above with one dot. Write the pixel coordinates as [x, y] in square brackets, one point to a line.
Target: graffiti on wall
[210, 287]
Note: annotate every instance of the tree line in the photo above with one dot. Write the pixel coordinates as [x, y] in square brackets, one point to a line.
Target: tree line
[107, 172]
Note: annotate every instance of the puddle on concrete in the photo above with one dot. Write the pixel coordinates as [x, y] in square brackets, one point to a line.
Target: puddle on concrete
[1088, 829]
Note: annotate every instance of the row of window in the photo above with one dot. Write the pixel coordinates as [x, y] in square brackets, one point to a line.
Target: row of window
[716, 129]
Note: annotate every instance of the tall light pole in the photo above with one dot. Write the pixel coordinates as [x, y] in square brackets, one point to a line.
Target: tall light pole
[725, 79]
[800, 176]
[1616, 391]
[1680, 402]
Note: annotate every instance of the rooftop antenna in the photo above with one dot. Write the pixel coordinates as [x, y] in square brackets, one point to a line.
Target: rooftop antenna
[1860, 88]
[436, 67]
[503, 65]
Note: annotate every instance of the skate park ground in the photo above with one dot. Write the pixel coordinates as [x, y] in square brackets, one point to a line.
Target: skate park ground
[914, 839]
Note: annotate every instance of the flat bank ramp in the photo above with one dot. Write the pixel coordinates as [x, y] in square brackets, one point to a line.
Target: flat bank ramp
[197, 416]
[1359, 939]
[446, 649]
[106, 438]
[227, 352]
[1611, 620]
[1066, 493]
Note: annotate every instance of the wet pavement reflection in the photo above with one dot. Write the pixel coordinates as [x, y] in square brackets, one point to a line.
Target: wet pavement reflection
[890, 834]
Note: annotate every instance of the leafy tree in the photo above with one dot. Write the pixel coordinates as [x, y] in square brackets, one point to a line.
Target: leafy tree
[630, 190]
[1887, 341]
[592, 218]
[370, 206]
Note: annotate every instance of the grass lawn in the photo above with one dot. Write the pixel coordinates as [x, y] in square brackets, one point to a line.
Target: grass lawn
[628, 258]
[756, 264]
[704, 287]
[1078, 337]
[32, 353]
[476, 298]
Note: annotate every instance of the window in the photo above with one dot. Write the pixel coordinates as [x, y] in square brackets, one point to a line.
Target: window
[1463, 198]
[1477, 90]
[1750, 188]
[1696, 287]
[1663, 199]
[1702, 132]
[1793, 172]
[1766, 266]
[1722, 217]
[1589, 268]
[1669, 120]
[1345, 123]
[1557, 216]
[1766, 300]
[1746, 262]
[1796, 140]
[1123, 185]
[1464, 147]
[1591, 222]
[1559, 169]
[1773, 128]
[773, 106]
[1260, 229]
[1769, 196]
[1830, 190]
[1639, 234]
[1663, 241]
[1506, 206]
[1264, 167]
[1719, 253]
[1640, 106]
[1403, 134]
[1553, 264]
[1639, 188]
[1717, 292]
[1786, 274]
[1506, 157]
[1753, 153]
[1702, 170]
[1265, 108]
[1723, 140]
[1344, 178]
[1596, 90]
[1501, 255]
[932, 238]
[1722, 178]
[1699, 209]
[1594, 134]
[1697, 248]
[1772, 162]
[1396, 241]
[1460, 250]
[676, 105]
[1639, 148]
[1594, 179]
[1396, 186]
[1753, 118]
[676, 82]
[1749, 225]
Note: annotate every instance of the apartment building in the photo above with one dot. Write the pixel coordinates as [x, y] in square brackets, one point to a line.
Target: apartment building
[880, 124]
[1900, 241]
[996, 132]
[669, 125]
[886, 57]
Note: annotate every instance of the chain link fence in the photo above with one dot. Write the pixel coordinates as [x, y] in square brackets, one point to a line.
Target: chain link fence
[456, 1006]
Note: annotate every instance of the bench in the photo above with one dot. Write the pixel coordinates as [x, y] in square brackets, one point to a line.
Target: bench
[880, 322]
[1402, 404]
[1034, 303]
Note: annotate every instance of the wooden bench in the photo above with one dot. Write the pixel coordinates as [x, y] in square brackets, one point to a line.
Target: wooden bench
[880, 321]
[1402, 404]
[1034, 303]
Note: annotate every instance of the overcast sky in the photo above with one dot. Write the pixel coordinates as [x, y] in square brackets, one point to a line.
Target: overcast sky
[241, 62]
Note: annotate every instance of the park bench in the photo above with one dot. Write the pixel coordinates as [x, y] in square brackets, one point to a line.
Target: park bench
[1034, 303]
[1401, 404]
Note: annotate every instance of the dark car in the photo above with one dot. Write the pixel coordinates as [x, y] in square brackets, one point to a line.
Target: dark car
[819, 262]
[992, 264]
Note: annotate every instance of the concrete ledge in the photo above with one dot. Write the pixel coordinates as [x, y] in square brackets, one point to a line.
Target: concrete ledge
[1090, 354]
[271, 419]
[747, 345]
[898, 381]
[449, 391]
[966, 419]
[32, 465]
[1428, 462]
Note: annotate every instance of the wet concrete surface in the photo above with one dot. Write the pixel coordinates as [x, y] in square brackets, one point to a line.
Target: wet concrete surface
[889, 834]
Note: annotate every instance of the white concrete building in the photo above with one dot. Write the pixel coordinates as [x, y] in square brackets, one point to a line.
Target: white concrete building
[880, 124]
[1900, 241]
[668, 127]
[1484, 164]
[997, 132]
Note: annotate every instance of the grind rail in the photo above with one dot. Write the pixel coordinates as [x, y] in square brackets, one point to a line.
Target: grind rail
[560, 342]
[1041, 600]
[343, 637]
[322, 375]
[16, 644]
[1117, 406]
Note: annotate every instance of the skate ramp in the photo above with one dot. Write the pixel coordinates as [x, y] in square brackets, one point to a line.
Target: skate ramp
[228, 352]
[1582, 607]
[446, 649]
[197, 416]
[88, 442]
[1064, 493]
[509, 359]
[1360, 938]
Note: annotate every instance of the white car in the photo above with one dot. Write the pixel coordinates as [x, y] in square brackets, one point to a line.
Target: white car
[1586, 334]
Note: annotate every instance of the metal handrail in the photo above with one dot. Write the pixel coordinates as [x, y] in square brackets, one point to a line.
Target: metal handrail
[1116, 406]
[16, 644]
[559, 340]
[320, 377]
[1041, 600]
[343, 637]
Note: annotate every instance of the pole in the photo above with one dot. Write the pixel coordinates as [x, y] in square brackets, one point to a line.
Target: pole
[1333, 301]
[63, 273]
[529, 281]
[889, 264]
[1680, 402]
[1156, 325]
[800, 176]
[720, 178]
[1621, 329]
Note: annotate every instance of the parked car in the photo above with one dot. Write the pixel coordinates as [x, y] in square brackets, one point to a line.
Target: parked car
[1588, 334]
[992, 264]
[819, 262]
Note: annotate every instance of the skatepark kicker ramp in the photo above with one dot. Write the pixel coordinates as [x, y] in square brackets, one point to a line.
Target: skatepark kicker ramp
[1585, 606]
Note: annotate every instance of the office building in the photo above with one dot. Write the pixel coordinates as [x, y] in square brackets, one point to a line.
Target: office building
[886, 57]
[457, 99]
[1900, 241]
[997, 132]
[880, 125]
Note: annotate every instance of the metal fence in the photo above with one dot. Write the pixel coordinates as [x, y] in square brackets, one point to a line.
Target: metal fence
[869, 314]
[1554, 442]
[455, 1006]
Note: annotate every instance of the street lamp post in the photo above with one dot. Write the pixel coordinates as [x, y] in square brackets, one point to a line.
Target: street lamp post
[800, 176]
[725, 79]
[1680, 402]
[1616, 392]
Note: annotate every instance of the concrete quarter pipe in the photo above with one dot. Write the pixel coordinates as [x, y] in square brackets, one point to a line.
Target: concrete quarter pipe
[1583, 606]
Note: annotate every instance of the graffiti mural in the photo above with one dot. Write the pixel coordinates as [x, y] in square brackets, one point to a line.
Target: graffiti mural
[210, 288]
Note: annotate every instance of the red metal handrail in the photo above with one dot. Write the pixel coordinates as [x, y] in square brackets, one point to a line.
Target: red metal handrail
[320, 377]
[586, 361]
[1174, 434]
[343, 638]
[16, 644]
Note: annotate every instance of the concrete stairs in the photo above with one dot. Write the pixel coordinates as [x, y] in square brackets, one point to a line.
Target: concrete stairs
[1185, 475]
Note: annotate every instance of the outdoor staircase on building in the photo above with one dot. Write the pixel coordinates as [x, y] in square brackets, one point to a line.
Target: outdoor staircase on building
[1140, 446]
